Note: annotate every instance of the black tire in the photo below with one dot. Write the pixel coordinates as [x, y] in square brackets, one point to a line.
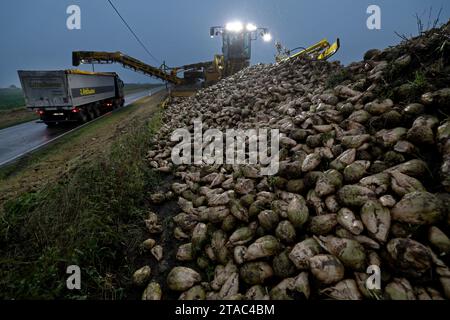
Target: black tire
[84, 117]
[97, 111]
[91, 113]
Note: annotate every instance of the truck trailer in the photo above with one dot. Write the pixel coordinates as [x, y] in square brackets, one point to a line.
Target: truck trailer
[60, 96]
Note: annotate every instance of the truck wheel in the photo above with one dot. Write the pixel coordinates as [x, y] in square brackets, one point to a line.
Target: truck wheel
[116, 104]
[83, 116]
[97, 112]
[91, 113]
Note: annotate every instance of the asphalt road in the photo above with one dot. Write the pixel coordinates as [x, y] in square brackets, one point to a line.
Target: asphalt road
[18, 140]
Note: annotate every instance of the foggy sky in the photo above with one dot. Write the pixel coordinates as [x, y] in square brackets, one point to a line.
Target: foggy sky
[34, 35]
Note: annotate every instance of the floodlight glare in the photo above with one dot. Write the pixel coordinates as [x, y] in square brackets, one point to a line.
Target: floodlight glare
[267, 37]
[234, 26]
[251, 27]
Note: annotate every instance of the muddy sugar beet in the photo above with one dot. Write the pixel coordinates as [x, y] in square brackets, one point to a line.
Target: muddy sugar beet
[361, 194]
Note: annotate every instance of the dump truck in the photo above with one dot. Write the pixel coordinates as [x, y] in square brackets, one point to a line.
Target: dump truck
[61, 96]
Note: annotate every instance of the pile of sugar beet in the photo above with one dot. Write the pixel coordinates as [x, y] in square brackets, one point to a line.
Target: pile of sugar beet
[363, 181]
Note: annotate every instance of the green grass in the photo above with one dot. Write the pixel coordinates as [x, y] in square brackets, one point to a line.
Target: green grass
[420, 82]
[11, 98]
[92, 218]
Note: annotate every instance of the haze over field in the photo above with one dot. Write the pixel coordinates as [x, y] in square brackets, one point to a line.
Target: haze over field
[34, 33]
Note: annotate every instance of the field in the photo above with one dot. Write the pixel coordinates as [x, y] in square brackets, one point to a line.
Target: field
[11, 98]
[12, 109]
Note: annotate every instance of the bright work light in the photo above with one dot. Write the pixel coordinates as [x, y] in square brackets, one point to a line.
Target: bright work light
[267, 37]
[251, 27]
[235, 26]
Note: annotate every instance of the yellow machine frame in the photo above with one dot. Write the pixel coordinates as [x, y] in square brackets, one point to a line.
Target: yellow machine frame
[215, 71]
[322, 50]
[127, 61]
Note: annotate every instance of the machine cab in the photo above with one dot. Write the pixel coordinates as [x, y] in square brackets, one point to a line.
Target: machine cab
[236, 45]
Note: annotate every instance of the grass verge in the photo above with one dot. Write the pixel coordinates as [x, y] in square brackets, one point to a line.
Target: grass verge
[91, 217]
[13, 117]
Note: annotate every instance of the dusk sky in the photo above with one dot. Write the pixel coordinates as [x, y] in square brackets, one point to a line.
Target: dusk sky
[34, 35]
